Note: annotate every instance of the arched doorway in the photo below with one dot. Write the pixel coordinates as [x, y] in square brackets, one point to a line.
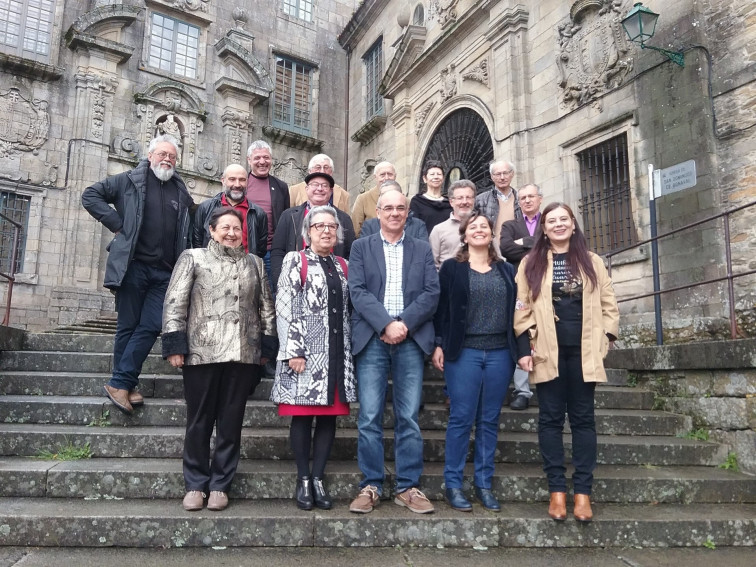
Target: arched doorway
[463, 146]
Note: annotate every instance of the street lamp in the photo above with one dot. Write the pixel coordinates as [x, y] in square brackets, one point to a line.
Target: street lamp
[640, 25]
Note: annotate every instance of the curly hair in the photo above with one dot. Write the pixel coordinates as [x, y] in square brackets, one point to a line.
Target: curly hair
[463, 254]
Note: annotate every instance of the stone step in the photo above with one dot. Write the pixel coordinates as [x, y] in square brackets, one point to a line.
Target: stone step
[151, 385]
[97, 362]
[154, 442]
[84, 410]
[150, 523]
[103, 478]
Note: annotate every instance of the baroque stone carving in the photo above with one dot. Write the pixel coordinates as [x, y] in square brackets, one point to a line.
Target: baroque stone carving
[126, 146]
[25, 122]
[448, 83]
[445, 11]
[98, 115]
[479, 73]
[592, 51]
[236, 125]
[422, 116]
[192, 5]
[289, 170]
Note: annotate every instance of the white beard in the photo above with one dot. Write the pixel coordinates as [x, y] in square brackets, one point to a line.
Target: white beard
[235, 195]
[162, 173]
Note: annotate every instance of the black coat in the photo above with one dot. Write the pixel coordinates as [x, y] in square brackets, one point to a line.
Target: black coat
[118, 203]
[257, 226]
[511, 231]
[450, 320]
[288, 237]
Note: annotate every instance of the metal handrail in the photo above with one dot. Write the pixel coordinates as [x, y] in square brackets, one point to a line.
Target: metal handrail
[728, 259]
[12, 276]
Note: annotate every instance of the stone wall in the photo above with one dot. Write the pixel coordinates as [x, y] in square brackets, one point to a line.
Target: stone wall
[712, 382]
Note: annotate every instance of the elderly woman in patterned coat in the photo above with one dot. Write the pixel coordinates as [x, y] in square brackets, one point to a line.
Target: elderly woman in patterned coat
[314, 373]
[218, 323]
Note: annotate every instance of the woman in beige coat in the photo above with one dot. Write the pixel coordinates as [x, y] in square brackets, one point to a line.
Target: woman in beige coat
[566, 303]
[218, 323]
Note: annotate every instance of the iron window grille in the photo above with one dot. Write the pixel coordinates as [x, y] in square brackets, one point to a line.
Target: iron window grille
[373, 68]
[17, 208]
[605, 196]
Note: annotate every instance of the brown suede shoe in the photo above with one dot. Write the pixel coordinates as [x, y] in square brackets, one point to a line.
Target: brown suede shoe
[194, 500]
[558, 506]
[582, 511]
[415, 500]
[217, 501]
[135, 398]
[120, 399]
[366, 500]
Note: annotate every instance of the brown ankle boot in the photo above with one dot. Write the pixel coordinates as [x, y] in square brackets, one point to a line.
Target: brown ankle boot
[582, 511]
[558, 506]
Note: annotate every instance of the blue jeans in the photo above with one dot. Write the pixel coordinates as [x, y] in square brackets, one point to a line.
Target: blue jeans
[477, 382]
[139, 302]
[405, 363]
[568, 392]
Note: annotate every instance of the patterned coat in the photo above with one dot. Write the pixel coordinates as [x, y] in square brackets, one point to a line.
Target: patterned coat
[302, 321]
[218, 307]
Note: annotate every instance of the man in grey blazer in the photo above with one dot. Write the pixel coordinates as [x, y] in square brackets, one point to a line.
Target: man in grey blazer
[394, 290]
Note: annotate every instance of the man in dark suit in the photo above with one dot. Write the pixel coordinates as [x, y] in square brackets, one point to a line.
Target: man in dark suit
[414, 227]
[288, 236]
[394, 290]
[517, 238]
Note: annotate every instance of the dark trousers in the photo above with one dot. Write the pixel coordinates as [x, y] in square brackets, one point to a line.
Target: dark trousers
[139, 302]
[216, 395]
[567, 393]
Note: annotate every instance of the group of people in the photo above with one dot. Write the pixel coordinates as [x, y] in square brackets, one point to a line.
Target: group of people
[342, 303]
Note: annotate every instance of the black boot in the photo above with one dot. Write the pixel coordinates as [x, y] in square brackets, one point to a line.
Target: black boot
[320, 494]
[304, 493]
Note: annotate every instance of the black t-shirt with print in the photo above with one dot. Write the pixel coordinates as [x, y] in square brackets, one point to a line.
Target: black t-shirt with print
[567, 295]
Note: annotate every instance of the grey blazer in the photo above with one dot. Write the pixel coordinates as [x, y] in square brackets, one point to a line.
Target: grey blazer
[367, 287]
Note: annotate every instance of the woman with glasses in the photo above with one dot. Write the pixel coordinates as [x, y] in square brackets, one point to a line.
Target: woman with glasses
[477, 352]
[315, 379]
[566, 305]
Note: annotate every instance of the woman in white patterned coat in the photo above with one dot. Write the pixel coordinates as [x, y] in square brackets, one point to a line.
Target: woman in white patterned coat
[314, 374]
[218, 323]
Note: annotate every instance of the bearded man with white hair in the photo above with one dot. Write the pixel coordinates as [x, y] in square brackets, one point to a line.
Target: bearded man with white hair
[148, 210]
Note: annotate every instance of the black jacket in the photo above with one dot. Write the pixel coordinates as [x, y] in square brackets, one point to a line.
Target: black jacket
[511, 231]
[118, 203]
[450, 320]
[288, 237]
[430, 211]
[279, 198]
[257, 226]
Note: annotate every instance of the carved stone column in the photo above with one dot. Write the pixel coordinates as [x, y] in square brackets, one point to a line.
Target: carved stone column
[237, 127]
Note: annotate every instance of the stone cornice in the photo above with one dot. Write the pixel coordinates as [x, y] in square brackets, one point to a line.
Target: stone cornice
[83, 32]
[292, 139]
[370, 129]
[29, 68]
[226, 46]
[365, 14]
[407, 51]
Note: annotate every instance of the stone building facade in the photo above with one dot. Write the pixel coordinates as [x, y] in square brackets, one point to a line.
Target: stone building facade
[85, 85]
[558, 89]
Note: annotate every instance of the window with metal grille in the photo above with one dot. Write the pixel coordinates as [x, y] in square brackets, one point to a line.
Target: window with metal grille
[174, 46]
[292, 98]
[16, 207]
[373, 68]
[605, 196]
[301, 9]
[26, 27]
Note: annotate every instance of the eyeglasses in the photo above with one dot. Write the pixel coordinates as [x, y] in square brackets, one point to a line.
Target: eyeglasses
[389, 209]
[323, 226]
[463, 198]
[319, 185]
[163, 155]
[327, 168]
[529, 197]
[502, 174]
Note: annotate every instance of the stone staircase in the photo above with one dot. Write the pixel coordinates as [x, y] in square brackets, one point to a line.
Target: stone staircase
[653, 486]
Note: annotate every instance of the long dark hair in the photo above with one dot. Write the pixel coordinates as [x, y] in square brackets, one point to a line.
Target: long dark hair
[578, 258]
[463, 254]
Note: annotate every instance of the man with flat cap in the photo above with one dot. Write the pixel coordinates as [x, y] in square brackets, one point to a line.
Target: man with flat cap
[288, 236]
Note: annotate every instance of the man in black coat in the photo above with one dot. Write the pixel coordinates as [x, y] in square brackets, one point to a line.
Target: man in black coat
[288, 235]
[148, 209]
[234, 195]
[517, 237]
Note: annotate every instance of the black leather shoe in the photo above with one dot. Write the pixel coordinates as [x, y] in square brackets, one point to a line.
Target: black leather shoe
[487, 498]
[304, 493]
[320, 494]
[457, 500]
[519, 403]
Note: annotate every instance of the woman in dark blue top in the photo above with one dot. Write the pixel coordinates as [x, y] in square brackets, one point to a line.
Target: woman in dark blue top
[476, 350]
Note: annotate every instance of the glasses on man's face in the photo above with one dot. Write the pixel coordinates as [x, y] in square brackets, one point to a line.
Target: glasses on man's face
[326, 168]
[163, 155]
[319, 185]
[391, 210]
[502, 174]
[323, 226]
[528, 197]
